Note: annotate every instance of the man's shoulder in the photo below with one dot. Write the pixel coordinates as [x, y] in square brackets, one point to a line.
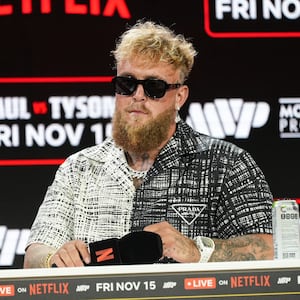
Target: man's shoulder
[94, 154]
[192, 138]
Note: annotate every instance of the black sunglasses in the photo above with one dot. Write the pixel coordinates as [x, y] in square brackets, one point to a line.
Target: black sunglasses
[153, 88]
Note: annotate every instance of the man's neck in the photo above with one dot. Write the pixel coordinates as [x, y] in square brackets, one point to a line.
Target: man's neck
[141, 161]
[144, 161]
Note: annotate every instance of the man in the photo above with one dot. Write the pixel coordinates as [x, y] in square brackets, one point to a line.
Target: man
[206, 198]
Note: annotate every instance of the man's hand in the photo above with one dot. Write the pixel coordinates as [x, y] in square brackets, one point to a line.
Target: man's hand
[175, 244]
[72, 254]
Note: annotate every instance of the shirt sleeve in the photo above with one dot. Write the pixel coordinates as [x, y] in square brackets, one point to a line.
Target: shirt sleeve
[246, 200]
[53, 224]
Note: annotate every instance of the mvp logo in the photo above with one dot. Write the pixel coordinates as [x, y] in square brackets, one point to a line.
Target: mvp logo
[228, 117]
[105, 254]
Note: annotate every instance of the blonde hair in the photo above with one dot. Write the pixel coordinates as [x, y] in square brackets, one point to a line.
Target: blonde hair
[156, 43]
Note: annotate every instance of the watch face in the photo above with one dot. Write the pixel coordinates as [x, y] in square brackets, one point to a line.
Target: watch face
[206, 247]
[207, 242]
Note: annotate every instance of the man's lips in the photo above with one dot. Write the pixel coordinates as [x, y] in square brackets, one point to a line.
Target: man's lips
[135, 110]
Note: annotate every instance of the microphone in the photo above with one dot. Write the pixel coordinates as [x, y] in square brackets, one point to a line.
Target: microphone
[140, 247]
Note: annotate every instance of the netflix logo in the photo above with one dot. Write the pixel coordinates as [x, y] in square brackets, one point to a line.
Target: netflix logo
[107, 8]
[200, 283]
[250, 281]
[58, 288]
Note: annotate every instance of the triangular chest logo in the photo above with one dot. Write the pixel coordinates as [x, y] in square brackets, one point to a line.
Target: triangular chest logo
[188, 212]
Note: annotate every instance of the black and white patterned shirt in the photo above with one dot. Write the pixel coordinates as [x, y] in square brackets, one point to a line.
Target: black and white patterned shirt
[201, 185]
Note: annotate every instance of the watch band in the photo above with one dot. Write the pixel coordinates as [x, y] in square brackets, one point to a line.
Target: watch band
[206, 247]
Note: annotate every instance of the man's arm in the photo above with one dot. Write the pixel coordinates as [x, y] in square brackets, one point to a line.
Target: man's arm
[184, 249]
[246, 247]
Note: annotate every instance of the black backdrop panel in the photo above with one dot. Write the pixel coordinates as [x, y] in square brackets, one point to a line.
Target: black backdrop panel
[56, 97]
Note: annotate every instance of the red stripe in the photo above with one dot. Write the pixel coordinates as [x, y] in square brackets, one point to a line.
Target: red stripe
[31, 162]
[79, 79]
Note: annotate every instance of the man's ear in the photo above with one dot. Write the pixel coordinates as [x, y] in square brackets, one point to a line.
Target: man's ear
[181, 96]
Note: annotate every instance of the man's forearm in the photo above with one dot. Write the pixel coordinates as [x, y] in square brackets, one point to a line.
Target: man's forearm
[37, 256]
[247, 247]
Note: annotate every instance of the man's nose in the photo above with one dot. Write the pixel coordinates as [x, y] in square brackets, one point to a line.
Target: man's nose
[139, 93]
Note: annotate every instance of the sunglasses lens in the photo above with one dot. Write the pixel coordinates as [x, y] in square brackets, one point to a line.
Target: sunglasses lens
[124, 85]
[155, 88]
